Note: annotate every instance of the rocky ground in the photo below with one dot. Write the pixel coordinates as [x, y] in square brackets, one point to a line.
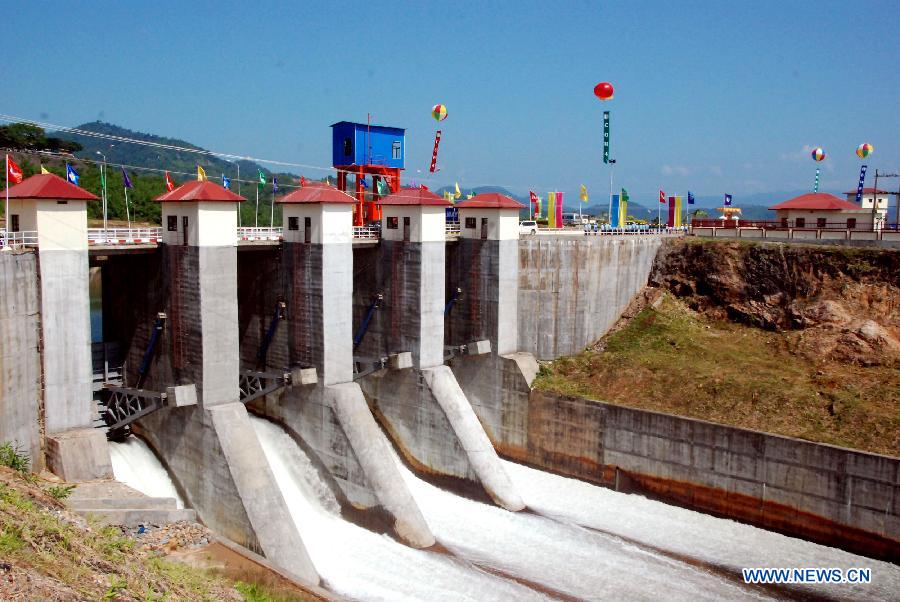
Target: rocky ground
[794, 340]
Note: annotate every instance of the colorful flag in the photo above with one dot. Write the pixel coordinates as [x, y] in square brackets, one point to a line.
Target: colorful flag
[457, 194]
[103, 178]
[226, 183]
[727, 200]
[44, 170]
[274, 185]
[383, 188]
[471, 196]
[662, 197]
[551, 210]
[677, 211]
[126, 181]
[448, 196]
[14, 172]
[302, 181]
[615, 208]
[363, 183]
[201, 174]
[262, 179]
[584, 195]
[623, 209]
[170, 185]
[690, 198]
[671, 221]
[559, 209]
[537, 211]
[72, 175]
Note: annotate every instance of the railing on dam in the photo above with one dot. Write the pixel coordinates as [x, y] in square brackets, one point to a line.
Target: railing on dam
[366, 232]
[264, 233]
[17, 240]
[124, 236]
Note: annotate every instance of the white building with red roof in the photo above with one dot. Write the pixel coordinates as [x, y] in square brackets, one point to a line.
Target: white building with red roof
[871, 197]
[820, 210]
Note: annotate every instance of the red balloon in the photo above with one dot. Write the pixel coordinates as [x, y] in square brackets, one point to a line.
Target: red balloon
[604, 91]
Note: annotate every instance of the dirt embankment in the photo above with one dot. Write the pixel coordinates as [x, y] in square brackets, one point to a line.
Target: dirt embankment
[842, 303]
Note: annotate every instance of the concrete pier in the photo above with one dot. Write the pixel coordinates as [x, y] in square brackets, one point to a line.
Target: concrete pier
[57, 211]
[422, 407]
[211, 449]
[330, 417]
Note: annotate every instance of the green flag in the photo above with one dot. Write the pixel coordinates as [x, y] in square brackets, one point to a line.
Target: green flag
[382, 188]
[262, 179]
[624, 195]
[102, 178]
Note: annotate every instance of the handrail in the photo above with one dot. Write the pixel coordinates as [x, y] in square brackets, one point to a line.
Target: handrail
[260, 233]
[18, 240]
[366, 232]
[452, 229]
[124, 236]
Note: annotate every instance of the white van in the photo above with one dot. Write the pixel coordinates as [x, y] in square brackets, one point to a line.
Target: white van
[528, 227]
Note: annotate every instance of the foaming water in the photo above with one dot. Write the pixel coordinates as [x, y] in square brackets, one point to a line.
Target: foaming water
[685, 533]
[358, 563]
[493, 553]
[138, 467]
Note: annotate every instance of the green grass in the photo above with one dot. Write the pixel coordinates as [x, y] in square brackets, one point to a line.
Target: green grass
[673, 360]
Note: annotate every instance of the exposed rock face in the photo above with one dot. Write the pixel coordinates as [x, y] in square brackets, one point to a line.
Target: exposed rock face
[842, 302]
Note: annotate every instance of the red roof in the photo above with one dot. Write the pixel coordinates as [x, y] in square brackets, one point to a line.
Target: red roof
[821, 201]
[490, 200]
[197, 190]
[869, 191]
[50, 186]
[317, 192]
[414, 196]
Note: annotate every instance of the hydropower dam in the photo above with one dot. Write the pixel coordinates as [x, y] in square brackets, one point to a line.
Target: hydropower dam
[359, 411]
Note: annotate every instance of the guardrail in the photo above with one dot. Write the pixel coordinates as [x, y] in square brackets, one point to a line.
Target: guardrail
[124, 236]
[452, 229]
[265, 233]
[18, 240]
[366, 232]
[755, 232]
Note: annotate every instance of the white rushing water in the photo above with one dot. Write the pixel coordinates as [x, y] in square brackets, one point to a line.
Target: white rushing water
[138, 467]
[358, 563]
[495, 554]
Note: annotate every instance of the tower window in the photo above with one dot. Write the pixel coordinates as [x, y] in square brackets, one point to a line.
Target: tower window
[348, 147]
[395, 150]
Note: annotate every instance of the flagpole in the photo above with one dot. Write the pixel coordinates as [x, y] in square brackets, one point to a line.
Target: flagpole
[6, 215]
[272, 209]
[127, 214]
[256, 216]
[239, 193]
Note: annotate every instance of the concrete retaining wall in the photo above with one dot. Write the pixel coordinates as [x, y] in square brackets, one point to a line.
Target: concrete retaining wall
[571, 291]
[832, 495]
[20, 362]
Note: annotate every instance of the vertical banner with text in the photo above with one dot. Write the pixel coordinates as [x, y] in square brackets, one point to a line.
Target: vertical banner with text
[862, 182]
[606, 136]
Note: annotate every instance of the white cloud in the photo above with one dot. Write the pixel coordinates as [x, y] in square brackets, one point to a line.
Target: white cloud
[675, 170]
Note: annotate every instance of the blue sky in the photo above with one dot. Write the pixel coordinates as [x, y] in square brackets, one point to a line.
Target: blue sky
[712, 96]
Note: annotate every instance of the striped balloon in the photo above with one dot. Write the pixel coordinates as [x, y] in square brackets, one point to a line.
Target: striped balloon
[439, 112]
[818, 154]
[864, 150]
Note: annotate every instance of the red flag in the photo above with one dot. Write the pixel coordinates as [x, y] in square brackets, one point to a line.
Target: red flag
[662, 197]
[13, 171]
[170, 185]
[302, 181]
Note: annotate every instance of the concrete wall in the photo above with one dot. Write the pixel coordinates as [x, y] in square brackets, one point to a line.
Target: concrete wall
[571, 291]
[832, 495]
[20, 362]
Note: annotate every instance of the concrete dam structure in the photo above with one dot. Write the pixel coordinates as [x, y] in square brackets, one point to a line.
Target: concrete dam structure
[293, 390]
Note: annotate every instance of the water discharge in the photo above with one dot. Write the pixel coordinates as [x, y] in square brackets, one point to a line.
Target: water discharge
[138, 467]
[494, 554]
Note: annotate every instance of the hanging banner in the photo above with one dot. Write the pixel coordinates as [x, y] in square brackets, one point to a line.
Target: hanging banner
[559, 209]
[677, 212]
[671, 221]
[816, 187]
[551, 210]
[862, 182]
[606, 136]
[437, 141]
[535, 210]
[616, 207]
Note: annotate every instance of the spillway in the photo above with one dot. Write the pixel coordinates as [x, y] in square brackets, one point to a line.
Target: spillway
[138, 467]
[492, 554]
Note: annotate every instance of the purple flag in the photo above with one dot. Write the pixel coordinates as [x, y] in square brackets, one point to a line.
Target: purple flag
[126, 181]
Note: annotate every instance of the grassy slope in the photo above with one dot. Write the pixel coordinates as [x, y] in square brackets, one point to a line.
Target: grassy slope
[44, 554]
[671, 359]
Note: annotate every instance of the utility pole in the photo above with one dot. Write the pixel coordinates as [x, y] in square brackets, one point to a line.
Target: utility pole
[875, 201]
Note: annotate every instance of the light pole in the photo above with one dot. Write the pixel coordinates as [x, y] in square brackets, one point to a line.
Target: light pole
[103, 190]
[612, 163]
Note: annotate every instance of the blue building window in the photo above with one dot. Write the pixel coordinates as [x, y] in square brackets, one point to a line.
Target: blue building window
[395, 150]
[348, 147]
